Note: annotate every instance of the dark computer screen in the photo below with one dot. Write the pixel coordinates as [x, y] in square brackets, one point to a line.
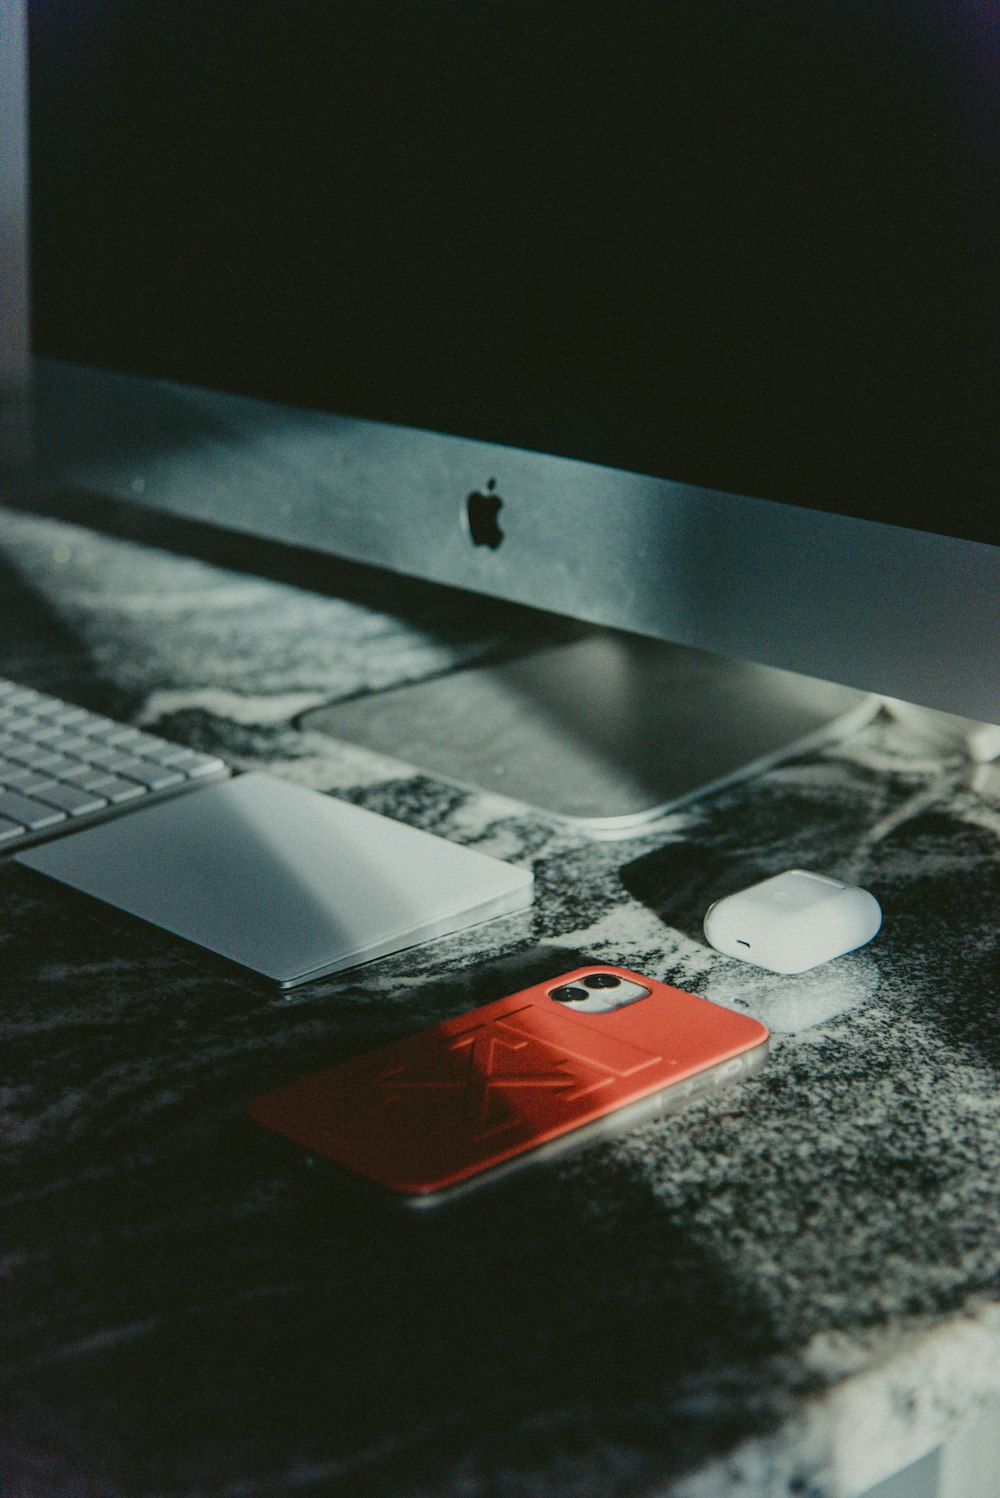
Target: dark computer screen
[750, 247]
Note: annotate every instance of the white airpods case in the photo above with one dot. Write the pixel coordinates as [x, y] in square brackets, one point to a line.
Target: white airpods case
[793, 921]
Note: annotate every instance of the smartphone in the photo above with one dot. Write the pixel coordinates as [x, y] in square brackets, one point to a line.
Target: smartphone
[427, 1118]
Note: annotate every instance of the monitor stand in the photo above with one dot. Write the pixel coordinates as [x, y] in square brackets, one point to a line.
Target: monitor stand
[610, 732]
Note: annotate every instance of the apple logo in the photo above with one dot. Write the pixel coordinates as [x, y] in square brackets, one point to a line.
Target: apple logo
[481, 511]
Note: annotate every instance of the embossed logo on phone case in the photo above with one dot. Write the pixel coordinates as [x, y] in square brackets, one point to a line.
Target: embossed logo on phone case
[492, 1063]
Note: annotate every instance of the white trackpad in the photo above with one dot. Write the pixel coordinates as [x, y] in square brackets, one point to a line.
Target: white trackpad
[284, 880]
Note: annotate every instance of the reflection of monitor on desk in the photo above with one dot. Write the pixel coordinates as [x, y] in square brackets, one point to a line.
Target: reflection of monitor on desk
[575, 280]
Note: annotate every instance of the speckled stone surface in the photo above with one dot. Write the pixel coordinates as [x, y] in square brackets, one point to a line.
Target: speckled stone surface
[789, 1289]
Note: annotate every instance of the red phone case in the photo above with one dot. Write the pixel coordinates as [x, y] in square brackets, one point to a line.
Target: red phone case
[436, 1111]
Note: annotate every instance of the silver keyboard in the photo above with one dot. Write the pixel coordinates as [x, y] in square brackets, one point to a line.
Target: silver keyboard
[61, 766]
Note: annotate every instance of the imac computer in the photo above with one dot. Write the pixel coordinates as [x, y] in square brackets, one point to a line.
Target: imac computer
[678, 320]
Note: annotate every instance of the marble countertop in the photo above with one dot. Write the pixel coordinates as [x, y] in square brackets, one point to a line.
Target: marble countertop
[789, 1288]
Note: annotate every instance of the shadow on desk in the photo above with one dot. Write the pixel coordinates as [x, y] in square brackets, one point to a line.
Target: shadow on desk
[42, 651]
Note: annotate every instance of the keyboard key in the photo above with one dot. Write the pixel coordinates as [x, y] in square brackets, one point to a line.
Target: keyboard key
[10, 830]
[44, 733]
[117, 791]
[110, 732]
[157, 777]
[21, 697]
[204, 764]
[188, 760]
[56, 764]
[141, 743]
[31, 755]
[85, 774]
[29, 782]
[165, 753]
[103, 755]
[45, 707]
[74, 744]
[70, 716]
[70, 798]
[51, 762]
[33, 815]
[91, 778]
[95, 726]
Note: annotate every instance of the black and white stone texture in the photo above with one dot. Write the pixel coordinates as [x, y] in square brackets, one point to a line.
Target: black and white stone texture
[788, 1289]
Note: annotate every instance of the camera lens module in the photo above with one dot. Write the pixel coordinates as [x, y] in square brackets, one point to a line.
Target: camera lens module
[570, 993]
[598, 993]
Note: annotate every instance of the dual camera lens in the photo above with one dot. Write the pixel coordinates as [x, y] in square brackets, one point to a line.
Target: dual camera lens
[572, 993]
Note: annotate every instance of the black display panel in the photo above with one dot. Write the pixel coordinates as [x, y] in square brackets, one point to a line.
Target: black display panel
[750, 247]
